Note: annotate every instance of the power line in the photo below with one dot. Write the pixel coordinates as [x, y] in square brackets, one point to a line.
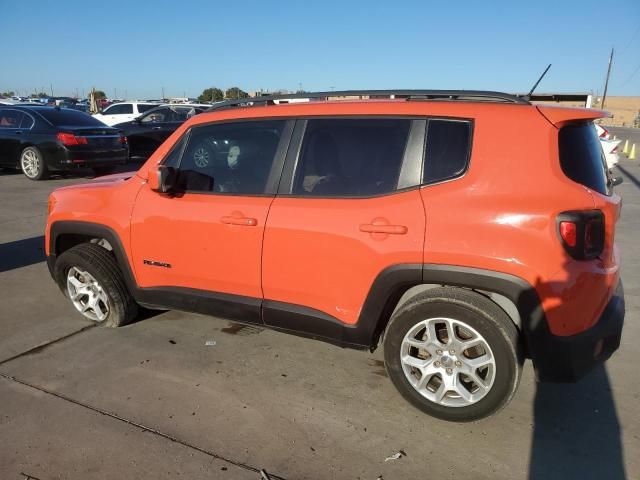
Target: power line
[633, 37]
[630, 78]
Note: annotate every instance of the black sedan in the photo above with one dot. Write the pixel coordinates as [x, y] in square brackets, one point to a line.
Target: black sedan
[147, 132]
[39, 140]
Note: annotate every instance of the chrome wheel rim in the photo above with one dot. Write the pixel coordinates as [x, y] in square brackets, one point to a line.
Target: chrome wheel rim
[30, 163]
[201, 157]
[87, 295]
[448, 362]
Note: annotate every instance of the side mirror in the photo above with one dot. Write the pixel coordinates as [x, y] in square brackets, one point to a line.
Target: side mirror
[162, 179]
[616, 181]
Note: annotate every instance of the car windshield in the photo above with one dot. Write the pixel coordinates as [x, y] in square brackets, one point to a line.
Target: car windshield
[64, 116]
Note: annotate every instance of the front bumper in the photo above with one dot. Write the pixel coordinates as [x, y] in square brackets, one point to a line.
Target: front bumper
[569, 358]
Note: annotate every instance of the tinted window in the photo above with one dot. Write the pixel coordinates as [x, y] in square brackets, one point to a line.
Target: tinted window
[447, 150]
[27, 122]
[230, 158]
[159, 115]
[351, 157]
[119, 109]
[169, 114]
[10, 118]
[173, 159]
[69, 118]
[144, 108]
[581, 156]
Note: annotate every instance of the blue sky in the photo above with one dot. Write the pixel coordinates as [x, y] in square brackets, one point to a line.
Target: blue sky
[138, 47]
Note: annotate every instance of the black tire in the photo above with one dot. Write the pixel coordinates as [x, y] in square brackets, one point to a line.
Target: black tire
[100, 171]
[101, 264]
[482, 315]
[40, 170]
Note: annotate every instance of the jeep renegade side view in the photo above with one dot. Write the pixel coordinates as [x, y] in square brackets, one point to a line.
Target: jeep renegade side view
[462, 231]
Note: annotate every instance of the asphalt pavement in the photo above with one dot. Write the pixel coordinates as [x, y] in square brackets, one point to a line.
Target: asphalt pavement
[180, 395]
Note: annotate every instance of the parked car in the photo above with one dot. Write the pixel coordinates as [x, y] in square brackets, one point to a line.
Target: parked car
[403, 223]
[609, 146]
[39, 140]
[610, 149]
[147, 132]
[123, 112]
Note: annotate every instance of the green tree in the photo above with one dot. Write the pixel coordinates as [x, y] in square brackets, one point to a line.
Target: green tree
[212, 94]
[7, 94]
[100, 94]
[235, 92]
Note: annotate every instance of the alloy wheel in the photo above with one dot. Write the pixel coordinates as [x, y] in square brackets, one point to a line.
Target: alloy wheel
[30, 163]
[87, 295]
[448, 362]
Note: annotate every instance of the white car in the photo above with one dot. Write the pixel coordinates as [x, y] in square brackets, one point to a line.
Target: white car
[123, 112]
[609, 146]
[610, 149]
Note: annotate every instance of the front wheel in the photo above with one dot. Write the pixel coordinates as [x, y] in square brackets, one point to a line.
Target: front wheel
[89, 276]
[32, 164]
[454, 354]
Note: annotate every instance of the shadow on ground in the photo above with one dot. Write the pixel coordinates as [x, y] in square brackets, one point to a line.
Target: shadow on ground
[21, 253]
[576, 431]
[630, 176]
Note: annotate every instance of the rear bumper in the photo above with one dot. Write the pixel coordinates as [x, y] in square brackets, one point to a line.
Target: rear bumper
[568, 358]
[62, 158]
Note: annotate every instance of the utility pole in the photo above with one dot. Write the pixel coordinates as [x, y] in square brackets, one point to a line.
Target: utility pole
[606, 83]
[51, 85]
[162, 94]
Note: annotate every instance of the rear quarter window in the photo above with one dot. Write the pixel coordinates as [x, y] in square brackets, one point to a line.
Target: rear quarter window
[447, 151]
[581, 156]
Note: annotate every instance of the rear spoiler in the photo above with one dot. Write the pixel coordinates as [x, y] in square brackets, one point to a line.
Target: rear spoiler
[558, 116]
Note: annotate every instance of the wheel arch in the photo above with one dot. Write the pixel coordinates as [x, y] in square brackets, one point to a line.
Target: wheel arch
[66, 234]
[398, 283]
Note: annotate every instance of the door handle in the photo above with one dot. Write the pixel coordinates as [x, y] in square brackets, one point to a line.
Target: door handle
[18, 132]
[388, 229]
[156, 128]
[243, 221]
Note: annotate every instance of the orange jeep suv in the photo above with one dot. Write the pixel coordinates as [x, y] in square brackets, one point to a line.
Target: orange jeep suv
[462, 231]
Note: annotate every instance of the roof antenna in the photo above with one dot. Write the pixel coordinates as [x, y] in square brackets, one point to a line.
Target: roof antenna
[528, 95]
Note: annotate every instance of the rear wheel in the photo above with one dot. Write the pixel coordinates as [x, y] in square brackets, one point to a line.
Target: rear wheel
[454, 354]
[32, 164]
[89, 276]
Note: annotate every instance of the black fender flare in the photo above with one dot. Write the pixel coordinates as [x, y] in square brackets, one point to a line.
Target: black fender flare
[96, 230]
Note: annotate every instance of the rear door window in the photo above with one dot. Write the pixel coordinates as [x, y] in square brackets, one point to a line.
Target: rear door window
[351, 157]
[582, 158]
[10, 118]
[448, 148]
[119, 109]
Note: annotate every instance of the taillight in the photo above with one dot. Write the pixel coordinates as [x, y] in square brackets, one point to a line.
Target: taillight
[568, 233]
[582, 233]
[71, 139]
[605, 132]
[123, 139]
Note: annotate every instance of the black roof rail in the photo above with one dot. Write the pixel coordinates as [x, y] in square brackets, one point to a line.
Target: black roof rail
[456, 95]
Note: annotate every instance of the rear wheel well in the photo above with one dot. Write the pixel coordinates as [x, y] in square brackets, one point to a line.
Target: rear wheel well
[402, 296]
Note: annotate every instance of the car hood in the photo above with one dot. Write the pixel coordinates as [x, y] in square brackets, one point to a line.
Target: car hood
[101, 182]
